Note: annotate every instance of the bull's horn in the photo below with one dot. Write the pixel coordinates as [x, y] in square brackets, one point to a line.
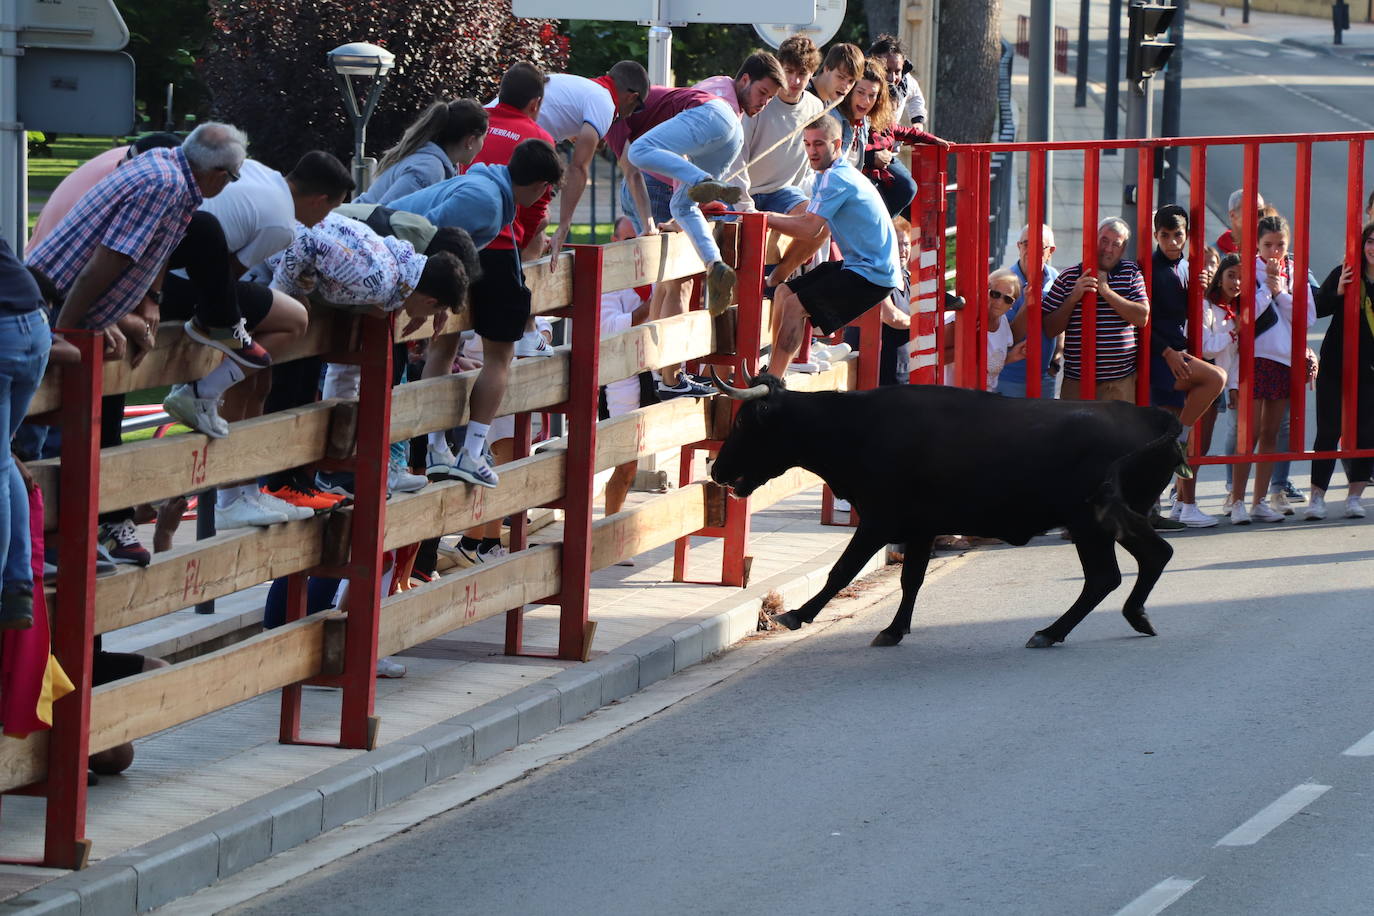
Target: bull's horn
[739, 394]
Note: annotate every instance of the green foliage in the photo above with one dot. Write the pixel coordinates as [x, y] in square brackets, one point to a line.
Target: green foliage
[167, 39]
[268, 73]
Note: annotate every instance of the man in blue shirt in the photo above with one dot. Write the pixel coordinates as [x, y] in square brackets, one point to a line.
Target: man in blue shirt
[1012, 382]
[844, 206]
[483, 202]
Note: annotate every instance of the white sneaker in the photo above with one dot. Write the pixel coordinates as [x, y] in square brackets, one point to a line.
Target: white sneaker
[1280, 502]
[245, 513]
[476, 471]
[1227, 504]
[439, 464]
[387, 667]
[499, 552]
[274, 504]
[1316, 508]
[1176, 512]
[400, 480]
[1263, 512]
[1238, 514]
[1194, 517]
[533, 344]
[1353, 509]
[201, 414]
[811, 366]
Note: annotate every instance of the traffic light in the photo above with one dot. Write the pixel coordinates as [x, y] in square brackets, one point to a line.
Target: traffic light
[1146, 52]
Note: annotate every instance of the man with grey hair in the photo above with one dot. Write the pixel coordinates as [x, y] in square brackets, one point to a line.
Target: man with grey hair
[1121, 307]
[1229, 241]
[1012, 382]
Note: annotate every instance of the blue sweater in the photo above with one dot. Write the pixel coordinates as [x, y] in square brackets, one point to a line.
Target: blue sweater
[427, 166]
[482, 201]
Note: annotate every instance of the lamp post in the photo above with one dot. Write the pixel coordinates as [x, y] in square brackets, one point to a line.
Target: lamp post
[358, 58]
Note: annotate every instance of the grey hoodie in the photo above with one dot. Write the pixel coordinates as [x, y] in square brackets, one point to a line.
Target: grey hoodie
[427, 166]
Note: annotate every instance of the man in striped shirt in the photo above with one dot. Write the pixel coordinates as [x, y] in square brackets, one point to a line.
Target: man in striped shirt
[1122, 306]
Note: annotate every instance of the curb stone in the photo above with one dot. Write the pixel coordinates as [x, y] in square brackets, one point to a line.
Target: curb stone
[195, 857]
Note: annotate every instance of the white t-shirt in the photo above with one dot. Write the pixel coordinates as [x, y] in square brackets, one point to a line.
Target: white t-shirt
[569, 101]
[617, 315]
[1000, 340]
[257, 213]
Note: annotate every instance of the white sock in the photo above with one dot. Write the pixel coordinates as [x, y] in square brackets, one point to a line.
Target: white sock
[1183, 436]
[438, 441]
[476, 438]
[223, 377]
[227, 496]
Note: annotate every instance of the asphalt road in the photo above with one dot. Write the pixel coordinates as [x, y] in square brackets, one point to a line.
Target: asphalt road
[960, 772]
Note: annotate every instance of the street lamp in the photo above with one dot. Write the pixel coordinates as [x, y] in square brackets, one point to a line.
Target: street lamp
[358, 58]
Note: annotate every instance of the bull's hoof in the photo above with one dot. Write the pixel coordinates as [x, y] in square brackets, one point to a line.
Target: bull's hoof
[1139, 622]
[789, 619]
[884, 638]
[1041, 641]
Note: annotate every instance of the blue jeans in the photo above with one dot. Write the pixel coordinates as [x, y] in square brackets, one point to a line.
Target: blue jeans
[899, 191]
[24, 344]
[780, 201]
[709, 137]
[1049, 388]
[660, 197]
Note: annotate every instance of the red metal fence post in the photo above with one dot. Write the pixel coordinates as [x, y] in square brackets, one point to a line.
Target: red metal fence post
[1302, 255]
[929, 285]
[1087, 306]
[1248, 286]
[1034, 293]
[1144, 248]
[358, 725]
[1197, 243]
[1354, 292]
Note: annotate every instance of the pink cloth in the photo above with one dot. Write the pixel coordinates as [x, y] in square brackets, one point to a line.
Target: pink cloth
[71, 189]
[722, 87]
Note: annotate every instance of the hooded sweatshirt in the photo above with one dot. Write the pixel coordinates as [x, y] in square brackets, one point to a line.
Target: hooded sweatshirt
[426, 166]
[481, 200]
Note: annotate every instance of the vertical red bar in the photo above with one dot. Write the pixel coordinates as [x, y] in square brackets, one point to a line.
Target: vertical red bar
[1035, 280]
[1302, 295]
[1248, 286]
[1087, 307]
[289, 729]
[73, 632]
[1197, 243]
[1144, 247]
[966, 266]
[364, 597]
[748, 341]
[575, 593]
[519, 535]
[928, 301]
[984, 267]
[1350, 314]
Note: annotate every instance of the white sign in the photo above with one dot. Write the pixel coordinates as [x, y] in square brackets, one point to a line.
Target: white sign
[77, 25]
[802, 11]
[829, 17]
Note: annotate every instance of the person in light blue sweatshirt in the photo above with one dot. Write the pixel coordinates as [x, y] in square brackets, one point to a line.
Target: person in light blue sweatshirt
[482, 201]
[442, 142]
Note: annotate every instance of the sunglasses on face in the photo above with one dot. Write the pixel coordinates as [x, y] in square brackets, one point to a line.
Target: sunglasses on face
[998, 295]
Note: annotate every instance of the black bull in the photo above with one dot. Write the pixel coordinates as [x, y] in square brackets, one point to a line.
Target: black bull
[919, 461]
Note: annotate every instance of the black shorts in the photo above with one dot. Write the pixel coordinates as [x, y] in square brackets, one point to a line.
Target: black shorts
[179, 300]
[500, 300]
[833, 296]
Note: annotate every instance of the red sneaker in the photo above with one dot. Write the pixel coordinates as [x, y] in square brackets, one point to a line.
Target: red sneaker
[308, 497]
[234, 342]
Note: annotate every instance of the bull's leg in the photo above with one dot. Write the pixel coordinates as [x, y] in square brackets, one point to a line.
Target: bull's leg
[863, 545]
[913, 574]
[1097, 553]
[1152, 553]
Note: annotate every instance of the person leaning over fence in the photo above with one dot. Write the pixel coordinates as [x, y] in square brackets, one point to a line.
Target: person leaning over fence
[1122, 306]
[1330, 381]
[881, 137]
[444, 140]
[847, 208]
[483, 202]
[1180, 381]
[582, 110]
[1270, 378]
[1012, 383]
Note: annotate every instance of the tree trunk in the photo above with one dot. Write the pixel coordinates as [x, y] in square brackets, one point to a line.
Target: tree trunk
[882, 16]
[966, 84]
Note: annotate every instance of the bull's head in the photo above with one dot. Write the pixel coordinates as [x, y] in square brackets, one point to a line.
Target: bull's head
[754, 452]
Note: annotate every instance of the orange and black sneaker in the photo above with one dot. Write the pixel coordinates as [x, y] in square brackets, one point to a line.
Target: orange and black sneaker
[307, 497]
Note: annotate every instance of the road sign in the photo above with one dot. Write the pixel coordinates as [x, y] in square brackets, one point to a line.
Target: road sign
[77, 92]
[79, 25]
[829, 16]
[674, 11]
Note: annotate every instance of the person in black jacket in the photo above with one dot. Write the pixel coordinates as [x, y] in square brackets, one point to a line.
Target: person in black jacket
[1182, 383]
[1331, 301]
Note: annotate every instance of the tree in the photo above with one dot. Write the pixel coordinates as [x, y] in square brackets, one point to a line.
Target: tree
[268, 72]
[166, 39]
[966, 68]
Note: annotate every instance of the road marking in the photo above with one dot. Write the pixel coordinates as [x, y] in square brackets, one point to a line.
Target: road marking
[1362, 748]
[1284, 807]
[1158, 897]
[1253, 52]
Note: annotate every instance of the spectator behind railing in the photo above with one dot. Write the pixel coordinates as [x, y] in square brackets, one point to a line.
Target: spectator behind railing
[1122, 306]
[1331, 302]
[905, 92]
[1219, 341]
[443, 141]
[1012, 382]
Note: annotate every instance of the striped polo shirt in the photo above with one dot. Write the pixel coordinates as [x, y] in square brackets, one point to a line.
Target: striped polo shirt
[1116, 338]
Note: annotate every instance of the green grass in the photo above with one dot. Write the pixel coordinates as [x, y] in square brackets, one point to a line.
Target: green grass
[68, 153]
[581, 233]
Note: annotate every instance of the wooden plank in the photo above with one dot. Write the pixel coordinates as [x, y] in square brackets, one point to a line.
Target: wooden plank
[549, 291]
[656, 344]
[155, 700]
[429, 611]
[418, 408]
[641, 261]
[779, 488]
[204, 570]
[23, 761]
[650, 524]
[156, 469]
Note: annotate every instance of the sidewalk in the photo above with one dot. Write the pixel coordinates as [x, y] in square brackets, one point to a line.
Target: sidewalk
[213, 796]
[1307, 32]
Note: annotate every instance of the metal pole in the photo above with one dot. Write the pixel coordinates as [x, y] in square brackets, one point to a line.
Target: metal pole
[1171, 123]
[1245, 12]
[1112, 105]
[13, 222]
[1080, 89]
[660, 54]
[1139, 119]
[1040, 122]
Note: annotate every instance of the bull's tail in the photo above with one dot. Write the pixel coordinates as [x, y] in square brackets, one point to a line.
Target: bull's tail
[1134, 481]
